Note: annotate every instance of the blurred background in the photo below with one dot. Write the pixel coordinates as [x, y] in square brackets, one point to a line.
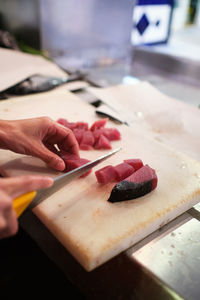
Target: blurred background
[94, 35]
[90, 33]
[116, 41]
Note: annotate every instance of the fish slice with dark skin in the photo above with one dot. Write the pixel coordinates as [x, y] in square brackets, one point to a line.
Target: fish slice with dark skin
[140, 183]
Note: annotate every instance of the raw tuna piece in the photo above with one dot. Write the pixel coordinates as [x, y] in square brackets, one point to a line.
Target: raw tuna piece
[135, 163]
[72, 164]
[78, 134]
[99, 124]
[96, 134]
[123, 170]
[71, 125]
[82, 125]
[102, 143]
[106, 174]
[85, 147]
[140, 183]
[65, 156]
[87, 140]
[112, 134]
[63, 122]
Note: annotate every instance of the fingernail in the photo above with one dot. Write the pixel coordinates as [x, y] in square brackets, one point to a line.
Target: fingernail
[47, 180]
[60, 165]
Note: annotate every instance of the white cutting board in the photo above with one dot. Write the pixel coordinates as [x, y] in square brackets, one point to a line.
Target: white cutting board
[165, 119]
[79, 216]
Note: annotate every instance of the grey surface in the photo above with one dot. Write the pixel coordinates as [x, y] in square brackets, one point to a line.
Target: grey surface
[21, 18]
[173, 253]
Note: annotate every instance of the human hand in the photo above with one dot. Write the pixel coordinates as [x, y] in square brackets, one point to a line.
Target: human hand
[38, 137]
[10, 188]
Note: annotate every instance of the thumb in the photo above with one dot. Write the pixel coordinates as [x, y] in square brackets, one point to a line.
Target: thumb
[49, 157]
[16, 186]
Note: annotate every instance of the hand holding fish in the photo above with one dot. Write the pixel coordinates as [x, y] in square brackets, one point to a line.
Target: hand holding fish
[37, 137]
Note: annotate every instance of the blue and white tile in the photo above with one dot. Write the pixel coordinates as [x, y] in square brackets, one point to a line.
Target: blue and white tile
[151, 24]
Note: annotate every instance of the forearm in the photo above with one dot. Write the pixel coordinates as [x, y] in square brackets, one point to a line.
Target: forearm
[6, 127]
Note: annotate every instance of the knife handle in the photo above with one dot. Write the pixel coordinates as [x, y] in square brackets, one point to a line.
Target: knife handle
[22, 202]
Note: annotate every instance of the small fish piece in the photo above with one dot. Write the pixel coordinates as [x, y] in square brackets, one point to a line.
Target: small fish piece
[136, 163]
[78, 134]
[87, 140]
[123, 170]
[99, 124]
[72, 162]
[106, 174]
[112, 134]
[102, 143]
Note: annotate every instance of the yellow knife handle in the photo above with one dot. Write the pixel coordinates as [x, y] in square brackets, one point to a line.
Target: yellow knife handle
[22, 202]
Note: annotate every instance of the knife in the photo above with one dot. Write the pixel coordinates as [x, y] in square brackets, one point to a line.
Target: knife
[32, 199]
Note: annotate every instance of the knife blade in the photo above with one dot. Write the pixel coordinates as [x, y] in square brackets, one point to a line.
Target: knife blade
[32, 199]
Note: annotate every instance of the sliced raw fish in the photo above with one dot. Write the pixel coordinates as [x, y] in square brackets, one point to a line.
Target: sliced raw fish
[140, 183]
[85, 147]
[97, 136]
[72, 162]
[112, 134]
[78, 134]
[63, 122]
[82, 125]
[87, 138]
[66, 155]
[106, 174]
[97, 133]
[99, 124]
[102, 143]
[135, 163]
[123, 170]
[71, 125]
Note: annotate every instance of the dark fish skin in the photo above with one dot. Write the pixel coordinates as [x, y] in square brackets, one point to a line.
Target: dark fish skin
[126, 190]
